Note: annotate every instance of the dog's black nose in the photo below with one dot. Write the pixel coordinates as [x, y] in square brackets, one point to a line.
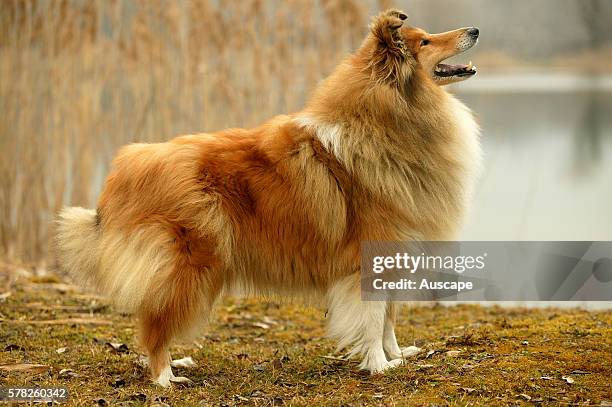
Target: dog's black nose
[474, 32]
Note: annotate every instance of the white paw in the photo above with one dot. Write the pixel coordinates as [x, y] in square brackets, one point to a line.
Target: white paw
[406, 352]
[410, 351]
[390, 364]
[165, 377]
[184, 362]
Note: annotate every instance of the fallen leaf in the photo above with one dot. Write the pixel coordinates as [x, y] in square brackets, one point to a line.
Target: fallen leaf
[269, 321]
[568, 379]
[67, 373]
[138, 397]
[426, 366]
[60, 350]
[25, 367]
[160, 399]
[181, 381]
[468, 390]
[118, 347]
[4, 296]
[117, 382]
[452, 353]
[261, 325]
[13, 346]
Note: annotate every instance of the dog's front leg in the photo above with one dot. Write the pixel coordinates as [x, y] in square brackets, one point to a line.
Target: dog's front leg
[390, 345]
[359, 325]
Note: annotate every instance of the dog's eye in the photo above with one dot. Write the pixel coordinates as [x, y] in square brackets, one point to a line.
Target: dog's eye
[424, 42]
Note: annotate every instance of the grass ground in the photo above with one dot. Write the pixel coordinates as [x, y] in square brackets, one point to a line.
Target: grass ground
[258, 353]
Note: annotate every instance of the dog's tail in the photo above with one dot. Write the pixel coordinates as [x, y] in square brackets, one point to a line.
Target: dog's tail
[78, 243]
[113, 264]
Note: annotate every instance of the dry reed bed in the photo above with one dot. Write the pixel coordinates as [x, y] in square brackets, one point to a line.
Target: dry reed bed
[80, 79]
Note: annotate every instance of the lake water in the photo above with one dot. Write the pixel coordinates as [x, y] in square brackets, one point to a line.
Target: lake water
[547, 155]
[547, 144]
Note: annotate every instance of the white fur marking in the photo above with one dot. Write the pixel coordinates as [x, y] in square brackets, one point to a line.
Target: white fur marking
[330, 135]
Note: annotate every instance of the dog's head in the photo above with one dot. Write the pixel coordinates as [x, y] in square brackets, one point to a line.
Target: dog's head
[397, 51]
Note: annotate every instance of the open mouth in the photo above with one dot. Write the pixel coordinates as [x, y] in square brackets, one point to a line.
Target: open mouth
[459, 71]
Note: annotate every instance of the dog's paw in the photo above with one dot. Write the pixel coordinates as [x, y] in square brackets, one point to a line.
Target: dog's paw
[164, 377]
[390, 364]
[406, 352]
[184, 362]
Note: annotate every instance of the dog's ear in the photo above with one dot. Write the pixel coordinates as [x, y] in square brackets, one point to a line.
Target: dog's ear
[391, 62]
[385, 29]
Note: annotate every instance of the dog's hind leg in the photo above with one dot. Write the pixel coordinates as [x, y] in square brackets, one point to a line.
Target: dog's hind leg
[176, 302]
[390, 345]
[358, 325]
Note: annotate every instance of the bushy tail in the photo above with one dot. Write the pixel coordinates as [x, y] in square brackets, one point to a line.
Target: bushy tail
[78, 240]
[111, 263]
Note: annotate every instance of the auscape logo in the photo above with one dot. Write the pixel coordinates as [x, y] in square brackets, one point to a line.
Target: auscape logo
[423, 284]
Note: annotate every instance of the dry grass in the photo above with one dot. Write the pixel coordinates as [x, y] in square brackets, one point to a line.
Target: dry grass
[79, 79]
[257, 353]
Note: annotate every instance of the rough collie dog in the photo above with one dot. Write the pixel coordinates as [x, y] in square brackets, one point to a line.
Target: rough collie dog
[380, 152]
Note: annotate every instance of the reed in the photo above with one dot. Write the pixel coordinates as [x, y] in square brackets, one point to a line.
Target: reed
[78, 79]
